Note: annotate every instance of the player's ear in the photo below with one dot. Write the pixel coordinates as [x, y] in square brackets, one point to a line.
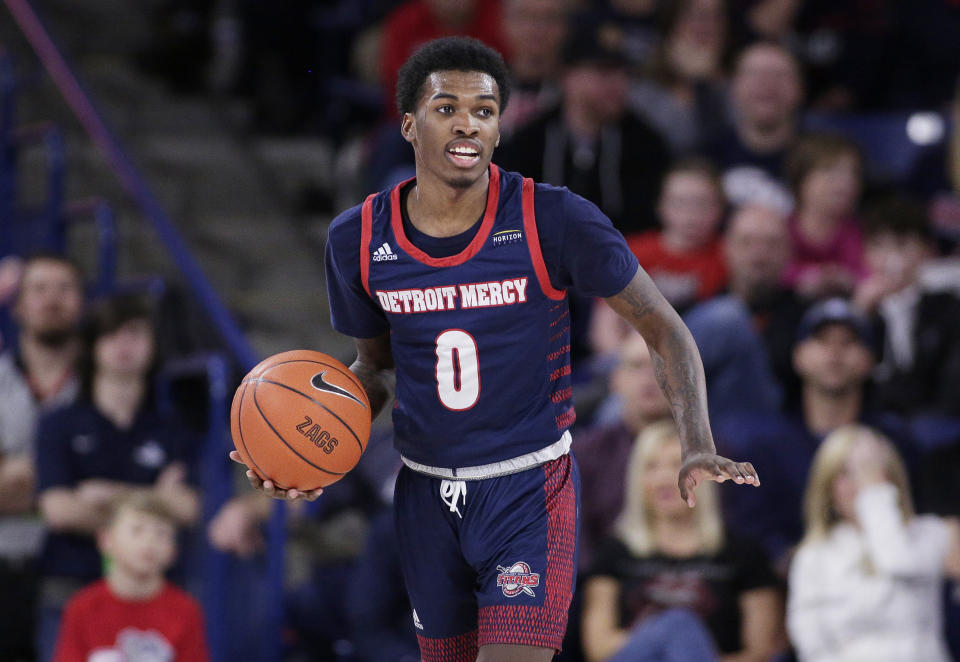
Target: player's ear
[408, 128]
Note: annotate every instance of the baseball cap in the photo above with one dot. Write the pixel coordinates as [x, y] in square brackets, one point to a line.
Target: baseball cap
[835, 311]
[595, 42]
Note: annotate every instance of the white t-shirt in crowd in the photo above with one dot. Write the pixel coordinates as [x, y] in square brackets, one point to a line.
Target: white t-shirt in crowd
[871, 593]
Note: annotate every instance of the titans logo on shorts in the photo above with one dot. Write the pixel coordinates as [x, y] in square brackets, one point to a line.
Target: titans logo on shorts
[489, 561]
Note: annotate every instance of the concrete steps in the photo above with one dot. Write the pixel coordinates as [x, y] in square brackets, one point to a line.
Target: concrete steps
[232, 198]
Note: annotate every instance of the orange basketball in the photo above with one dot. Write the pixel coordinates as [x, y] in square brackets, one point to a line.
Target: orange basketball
[300, 419]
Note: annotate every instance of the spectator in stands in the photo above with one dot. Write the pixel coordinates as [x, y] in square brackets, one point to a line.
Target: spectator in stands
[325, 541]
[35, 376]
[846, 46]
[918, 331]
[602, 451]
[591, 142]
[684, 259]
[534, 31]
[669, 570]
[834, 357]
[766, 93]
[825, 174]
[133, 613]
[865, 583]
[746, 336]
[112, 441]
[636, 21]
[407, 28]
[383, 624]
[685, 89]
[415, 22]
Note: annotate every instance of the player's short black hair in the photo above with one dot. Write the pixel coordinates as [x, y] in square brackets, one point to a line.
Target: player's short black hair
[449, 54]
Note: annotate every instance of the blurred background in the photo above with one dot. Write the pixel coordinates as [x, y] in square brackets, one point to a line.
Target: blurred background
[787, 171]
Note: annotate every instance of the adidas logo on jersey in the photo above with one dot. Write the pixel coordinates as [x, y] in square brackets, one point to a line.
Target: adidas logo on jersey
[416, 620]
[384, 253]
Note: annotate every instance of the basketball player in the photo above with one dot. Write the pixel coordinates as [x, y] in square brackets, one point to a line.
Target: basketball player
[456, 280]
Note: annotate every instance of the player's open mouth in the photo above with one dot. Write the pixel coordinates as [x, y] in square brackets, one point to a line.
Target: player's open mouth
[463, 155]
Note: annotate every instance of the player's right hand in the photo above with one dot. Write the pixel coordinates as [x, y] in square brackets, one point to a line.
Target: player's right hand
[271, 490]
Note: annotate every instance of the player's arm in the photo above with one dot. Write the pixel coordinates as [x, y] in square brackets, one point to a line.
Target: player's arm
[373, 368]
[680, 375]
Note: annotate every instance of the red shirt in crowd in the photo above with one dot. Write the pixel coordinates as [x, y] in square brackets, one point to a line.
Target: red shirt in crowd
[98, 626]
[683, 278]
[413, 24]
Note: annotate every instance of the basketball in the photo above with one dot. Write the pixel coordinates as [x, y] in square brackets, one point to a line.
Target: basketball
[300, 419]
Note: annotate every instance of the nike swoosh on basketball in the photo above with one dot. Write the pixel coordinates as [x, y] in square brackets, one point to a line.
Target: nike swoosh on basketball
[321, 384]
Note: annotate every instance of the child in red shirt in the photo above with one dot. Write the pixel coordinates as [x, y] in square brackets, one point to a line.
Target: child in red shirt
[134, 614]
[684, 258]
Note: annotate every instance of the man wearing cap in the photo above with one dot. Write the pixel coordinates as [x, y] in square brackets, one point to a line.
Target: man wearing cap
[834, 357]
[590, 142]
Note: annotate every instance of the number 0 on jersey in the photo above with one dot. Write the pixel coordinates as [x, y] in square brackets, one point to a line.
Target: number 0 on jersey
[458, 370]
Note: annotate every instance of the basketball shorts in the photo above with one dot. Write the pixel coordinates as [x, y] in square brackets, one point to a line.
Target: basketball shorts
[489, 561]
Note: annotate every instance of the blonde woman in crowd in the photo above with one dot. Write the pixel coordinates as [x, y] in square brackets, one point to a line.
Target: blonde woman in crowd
[672, 584]
[865, 583]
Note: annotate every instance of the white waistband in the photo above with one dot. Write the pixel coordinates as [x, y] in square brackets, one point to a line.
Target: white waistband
[514, 465]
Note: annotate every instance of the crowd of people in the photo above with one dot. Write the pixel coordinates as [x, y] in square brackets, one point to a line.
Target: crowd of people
[821, 287]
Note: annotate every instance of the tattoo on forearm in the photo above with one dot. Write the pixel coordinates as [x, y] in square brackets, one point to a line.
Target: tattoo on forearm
[680, 375]
[675, 357]
[681, 379]
[633, 305]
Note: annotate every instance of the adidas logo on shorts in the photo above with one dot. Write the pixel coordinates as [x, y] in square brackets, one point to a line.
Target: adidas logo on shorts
[416, 620]
[384, 253]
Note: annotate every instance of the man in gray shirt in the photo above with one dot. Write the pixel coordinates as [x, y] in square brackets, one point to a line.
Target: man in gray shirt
[36, 375]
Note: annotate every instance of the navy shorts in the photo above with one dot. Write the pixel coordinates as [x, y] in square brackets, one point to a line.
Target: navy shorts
[489, 561]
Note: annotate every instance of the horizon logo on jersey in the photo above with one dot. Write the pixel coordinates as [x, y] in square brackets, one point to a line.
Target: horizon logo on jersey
[507, 292]
[505, 237]
[517, 579]
[384, 253]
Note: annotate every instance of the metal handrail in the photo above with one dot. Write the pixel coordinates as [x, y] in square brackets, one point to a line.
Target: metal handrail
[100, 212]
[129, 176]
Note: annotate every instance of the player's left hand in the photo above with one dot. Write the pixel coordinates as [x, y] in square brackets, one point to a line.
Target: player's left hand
[707, 466]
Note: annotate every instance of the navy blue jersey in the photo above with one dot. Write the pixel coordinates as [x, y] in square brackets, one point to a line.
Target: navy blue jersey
[481, 338]
[77, 443]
